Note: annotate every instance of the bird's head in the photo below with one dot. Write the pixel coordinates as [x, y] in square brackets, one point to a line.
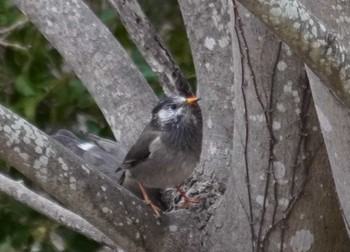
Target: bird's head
[176, 112]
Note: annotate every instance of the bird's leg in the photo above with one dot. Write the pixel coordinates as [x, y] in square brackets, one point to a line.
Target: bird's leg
[187, 200]
[146, 198]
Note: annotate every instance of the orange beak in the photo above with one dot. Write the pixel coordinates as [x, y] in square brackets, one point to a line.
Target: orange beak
[192, 100]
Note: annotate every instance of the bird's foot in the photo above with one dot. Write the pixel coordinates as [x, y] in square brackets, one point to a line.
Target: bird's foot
[188, 201]
[155, 209]
[148, 201]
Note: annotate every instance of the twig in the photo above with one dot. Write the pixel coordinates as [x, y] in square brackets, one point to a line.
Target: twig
[14, 26]
[18, 191]
[13, 45]
[238, 31]
[5, 32]
[268, 118]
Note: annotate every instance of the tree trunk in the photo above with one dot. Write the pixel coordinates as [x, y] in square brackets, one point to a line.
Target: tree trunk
[280, 171]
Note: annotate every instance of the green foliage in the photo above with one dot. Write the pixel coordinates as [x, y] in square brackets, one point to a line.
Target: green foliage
[36, 83]
[22, 229]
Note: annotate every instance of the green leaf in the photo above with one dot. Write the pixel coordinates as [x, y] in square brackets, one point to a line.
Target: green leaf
[6, 246]
[107, 15]
[23, 86]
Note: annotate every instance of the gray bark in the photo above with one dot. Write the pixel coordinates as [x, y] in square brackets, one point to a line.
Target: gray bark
[310, 39]
[335, 120]
[334, 117]
[332, 114]
[277, 147]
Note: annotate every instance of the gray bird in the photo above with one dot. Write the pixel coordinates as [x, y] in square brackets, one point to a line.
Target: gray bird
[168, 149]
[165, 154]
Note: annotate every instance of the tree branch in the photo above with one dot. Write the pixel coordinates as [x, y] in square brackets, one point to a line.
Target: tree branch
[98, 60]
[334, 121]
[109, 207]
[18, 191]
[152, 47]
[6, 31]
[310, 39]
[14, 45]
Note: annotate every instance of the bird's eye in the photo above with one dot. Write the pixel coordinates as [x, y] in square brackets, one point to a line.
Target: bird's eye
[173, 106]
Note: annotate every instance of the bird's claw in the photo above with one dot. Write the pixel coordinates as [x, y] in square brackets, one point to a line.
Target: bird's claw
[155, 209]
[188, 201]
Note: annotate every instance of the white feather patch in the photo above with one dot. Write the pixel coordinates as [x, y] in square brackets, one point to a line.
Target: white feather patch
[167, 115]
[86, 146]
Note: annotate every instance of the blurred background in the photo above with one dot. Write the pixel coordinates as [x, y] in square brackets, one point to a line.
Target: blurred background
[37, 84]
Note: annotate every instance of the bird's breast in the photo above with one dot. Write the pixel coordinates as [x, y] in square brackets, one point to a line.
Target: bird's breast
[165, 168]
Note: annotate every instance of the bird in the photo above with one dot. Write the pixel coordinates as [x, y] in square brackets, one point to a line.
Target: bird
[168, 149]
[164, 155]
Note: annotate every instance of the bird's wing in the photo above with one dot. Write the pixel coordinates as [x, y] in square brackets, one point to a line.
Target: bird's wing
[95, 153]
[113, 148]
[142, 149]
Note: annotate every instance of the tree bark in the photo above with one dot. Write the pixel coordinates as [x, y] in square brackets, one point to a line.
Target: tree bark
[334, 117]
[310, 39]
[277, 164]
